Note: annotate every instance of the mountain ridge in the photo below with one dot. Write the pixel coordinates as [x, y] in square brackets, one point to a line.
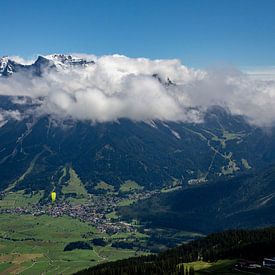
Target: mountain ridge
[9, 66]
[155, 154]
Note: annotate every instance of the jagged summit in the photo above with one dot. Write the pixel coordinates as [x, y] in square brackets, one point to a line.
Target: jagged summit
[4, 64]
[68, 60]
[8, 66]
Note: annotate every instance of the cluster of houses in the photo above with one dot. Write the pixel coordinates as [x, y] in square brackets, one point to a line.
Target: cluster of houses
[245, 264]
[95, 211]
[269, 262]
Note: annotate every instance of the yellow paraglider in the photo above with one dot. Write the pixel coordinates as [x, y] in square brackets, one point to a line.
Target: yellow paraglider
[53, 196]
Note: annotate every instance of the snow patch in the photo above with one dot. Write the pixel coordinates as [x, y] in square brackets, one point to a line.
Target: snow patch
[176, 134]
[173, 132]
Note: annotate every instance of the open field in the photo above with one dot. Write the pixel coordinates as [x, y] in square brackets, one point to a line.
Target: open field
[104, 186]
[129, 186]
[219, 267]
[74, 185]
[126, 202]
[35, 244]
[19, 199]
[225, 267]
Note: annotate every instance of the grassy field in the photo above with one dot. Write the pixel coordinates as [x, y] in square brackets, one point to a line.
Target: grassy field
[19, 199]
[112, 215]
[34, 244]
[226, 136]
[74, 185]
[171, 189]
[219, 267]
[129, 186]
[126, 202]
[104, 186]
[225, 267]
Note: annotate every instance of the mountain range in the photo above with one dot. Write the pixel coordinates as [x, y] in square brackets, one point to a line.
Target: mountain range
[154, 153]
[8, 66]
[144, 183]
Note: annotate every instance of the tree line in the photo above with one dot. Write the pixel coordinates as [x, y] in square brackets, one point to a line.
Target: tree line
[231, 244]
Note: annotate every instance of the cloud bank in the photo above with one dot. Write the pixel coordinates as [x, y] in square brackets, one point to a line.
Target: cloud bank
[141, 89]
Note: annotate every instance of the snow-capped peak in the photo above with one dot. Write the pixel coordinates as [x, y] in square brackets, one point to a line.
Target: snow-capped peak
[58, 61]
[3, 63]
[6, 66]
[61, 59]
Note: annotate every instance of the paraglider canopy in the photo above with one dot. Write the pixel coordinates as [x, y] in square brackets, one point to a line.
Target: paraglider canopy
[53, 196]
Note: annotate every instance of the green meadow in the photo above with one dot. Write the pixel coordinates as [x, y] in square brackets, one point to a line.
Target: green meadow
[129, 186]
[35, 244]
[20, 199]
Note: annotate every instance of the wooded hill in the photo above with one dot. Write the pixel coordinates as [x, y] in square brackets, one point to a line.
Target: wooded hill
[233, 244]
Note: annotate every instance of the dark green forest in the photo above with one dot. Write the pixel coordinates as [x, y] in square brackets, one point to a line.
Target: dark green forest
[232, 244]
[244, 201]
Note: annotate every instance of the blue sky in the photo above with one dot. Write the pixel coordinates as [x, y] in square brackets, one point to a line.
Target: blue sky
[199, 32]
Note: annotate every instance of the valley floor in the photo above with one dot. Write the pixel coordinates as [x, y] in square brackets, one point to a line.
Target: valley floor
[35, 244]
[33, 235]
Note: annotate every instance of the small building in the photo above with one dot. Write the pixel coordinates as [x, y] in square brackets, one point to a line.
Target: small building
[269, 262]
[247, 265]
[254, 266]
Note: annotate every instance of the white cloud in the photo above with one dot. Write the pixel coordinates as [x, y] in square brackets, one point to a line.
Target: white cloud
[120, 87]
[21, 60]
[260, 72]
[6, 115]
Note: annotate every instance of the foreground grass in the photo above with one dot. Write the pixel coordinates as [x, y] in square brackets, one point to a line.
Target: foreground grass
[225, 267]
[219, 267]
